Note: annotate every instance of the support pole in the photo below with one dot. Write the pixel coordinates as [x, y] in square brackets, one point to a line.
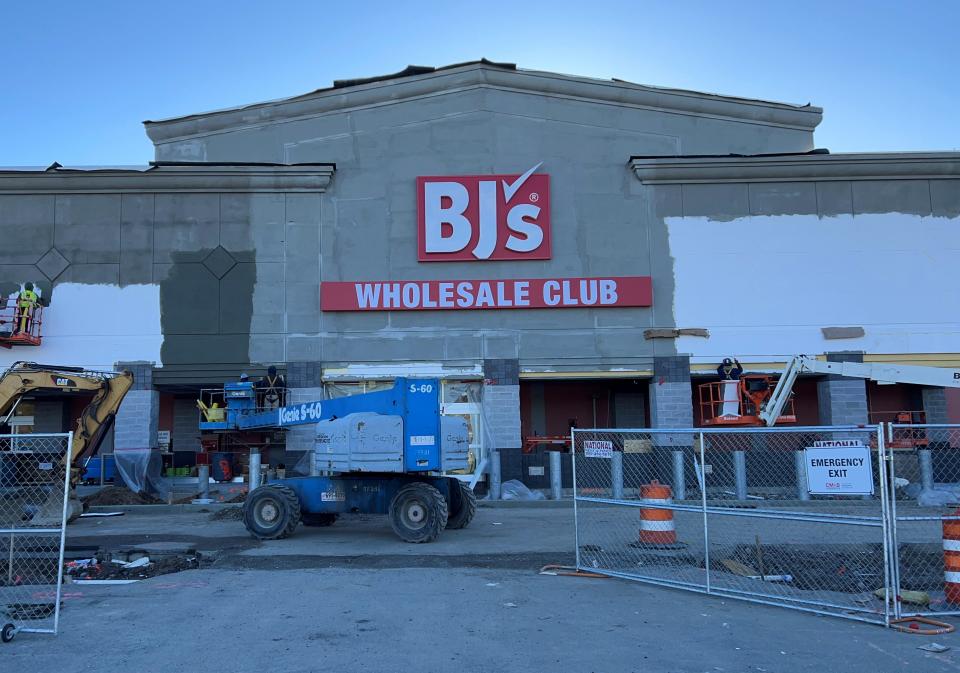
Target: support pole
[801, 469]
[203, 477]
[616, 474]
[495, 474]
[679, 480]
[740, 474]
[556, 483]
[925, 456]
[254, 470]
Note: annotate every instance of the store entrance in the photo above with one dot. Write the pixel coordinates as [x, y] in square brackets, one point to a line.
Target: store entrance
[550, 408]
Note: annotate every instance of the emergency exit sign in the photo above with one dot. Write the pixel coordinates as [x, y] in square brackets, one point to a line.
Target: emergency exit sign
[839, 467]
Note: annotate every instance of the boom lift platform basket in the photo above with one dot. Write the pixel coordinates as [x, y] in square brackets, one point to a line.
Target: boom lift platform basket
[739, 402]
[11, 322]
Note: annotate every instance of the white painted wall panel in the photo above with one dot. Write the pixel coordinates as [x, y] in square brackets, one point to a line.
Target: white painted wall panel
[96, 326]
[765, 285]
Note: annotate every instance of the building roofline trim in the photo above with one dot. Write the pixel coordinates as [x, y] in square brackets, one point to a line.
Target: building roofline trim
[172, 177]
[797, 167]
[800, 117]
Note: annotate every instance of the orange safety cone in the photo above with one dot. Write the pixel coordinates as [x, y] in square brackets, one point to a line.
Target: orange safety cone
[951, 557]
[656, 525]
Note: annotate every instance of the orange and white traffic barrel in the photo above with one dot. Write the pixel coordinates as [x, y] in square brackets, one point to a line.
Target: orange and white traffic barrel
[951, 557]
[656, 524]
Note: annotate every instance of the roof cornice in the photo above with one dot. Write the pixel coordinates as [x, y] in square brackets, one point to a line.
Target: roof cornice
[612, 92]
[171, 178]
[800, 167]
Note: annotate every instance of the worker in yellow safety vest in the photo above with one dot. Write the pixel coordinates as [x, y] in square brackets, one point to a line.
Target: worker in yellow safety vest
[26, 305]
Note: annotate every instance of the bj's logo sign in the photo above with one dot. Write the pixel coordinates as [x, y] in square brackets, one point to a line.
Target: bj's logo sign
[481, 217]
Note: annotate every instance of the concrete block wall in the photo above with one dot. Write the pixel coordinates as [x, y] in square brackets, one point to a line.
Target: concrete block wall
[304, 384]
[842, 400]
[137, 418]
[935, 405]
[501, 402]
[671, 393]
[136, 423]
[501, 413]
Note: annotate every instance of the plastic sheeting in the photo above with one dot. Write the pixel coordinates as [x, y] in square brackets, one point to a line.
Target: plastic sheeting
[142, 471]
[517, 490]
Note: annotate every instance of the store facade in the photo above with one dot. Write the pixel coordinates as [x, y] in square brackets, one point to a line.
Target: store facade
[558, 250]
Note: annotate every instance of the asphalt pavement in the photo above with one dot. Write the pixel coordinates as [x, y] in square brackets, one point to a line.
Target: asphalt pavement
[325, 600]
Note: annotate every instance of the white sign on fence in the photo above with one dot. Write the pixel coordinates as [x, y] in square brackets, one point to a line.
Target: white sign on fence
[598, 448]
[839, 467]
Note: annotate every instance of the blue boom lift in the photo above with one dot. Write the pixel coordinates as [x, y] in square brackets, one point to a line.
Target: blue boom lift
[383, 452]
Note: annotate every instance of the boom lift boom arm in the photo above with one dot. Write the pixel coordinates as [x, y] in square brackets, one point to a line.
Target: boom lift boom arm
[884, 373]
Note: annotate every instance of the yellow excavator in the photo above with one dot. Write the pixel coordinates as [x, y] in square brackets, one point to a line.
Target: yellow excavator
[108, 388]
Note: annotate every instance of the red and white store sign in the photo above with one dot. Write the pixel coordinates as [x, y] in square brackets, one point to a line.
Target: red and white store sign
[470, 218]
[439, 295]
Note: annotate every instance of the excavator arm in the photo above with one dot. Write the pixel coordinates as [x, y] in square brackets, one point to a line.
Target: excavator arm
[108, 388]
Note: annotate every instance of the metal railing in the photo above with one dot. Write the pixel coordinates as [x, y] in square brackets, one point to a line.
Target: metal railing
[34, 486]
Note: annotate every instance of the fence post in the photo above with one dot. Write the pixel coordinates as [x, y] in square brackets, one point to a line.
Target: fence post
[679, 482]
[740, 474]
[576, 519]
[801, 469]
[888, 517]
[556, 476]
[702, 480]
[616, 473]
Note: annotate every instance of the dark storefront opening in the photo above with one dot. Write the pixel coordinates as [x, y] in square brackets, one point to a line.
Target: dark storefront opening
[550, 408]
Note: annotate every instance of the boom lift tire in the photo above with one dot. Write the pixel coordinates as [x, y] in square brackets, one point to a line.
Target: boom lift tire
[463, 505]
[418, 512]
[271, 512]
[324, 519]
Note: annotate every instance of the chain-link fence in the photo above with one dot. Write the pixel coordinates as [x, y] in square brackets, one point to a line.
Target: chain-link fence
[34, 482]
[793, 517]
[925, 469]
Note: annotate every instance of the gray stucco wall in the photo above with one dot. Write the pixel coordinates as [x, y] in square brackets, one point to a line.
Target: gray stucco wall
[603, 221]
[212, 243]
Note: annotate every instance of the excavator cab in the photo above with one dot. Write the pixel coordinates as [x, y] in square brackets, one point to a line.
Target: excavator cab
[739, 402]
[20, 327]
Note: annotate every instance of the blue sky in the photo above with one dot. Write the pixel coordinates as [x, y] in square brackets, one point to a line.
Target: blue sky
[78, 78]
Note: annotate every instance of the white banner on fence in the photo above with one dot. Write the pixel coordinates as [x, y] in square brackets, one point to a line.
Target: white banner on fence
[839, 467]
[598, 448]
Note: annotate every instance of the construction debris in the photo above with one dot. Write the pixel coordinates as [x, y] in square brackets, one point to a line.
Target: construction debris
[119, 495]
[933, 647]
[228, 514]
[913, 597]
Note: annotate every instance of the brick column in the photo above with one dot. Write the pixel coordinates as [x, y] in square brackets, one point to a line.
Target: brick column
[303, 385]
[501, 413]
[842, 400]
[139, 413]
